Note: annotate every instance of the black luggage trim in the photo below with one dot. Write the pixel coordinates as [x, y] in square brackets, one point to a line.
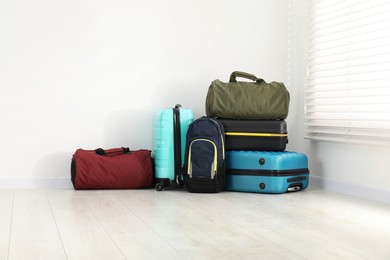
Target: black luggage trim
[292, 172]
[296, 178]
[73, 172]
[265, 126]
[177, 142]
[254, 134]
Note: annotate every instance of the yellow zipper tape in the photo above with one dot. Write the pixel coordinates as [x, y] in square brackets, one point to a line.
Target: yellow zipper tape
[254, 134]
[215, 154]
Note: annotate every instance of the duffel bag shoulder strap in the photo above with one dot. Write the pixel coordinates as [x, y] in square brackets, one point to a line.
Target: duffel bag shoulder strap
[244, 75]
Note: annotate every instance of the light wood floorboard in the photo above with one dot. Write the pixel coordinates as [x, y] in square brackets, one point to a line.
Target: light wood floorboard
[176, 224]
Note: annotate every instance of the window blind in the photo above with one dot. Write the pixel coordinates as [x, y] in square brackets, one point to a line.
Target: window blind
[347, 95]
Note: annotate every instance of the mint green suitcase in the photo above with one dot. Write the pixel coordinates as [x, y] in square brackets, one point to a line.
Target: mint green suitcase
[169, 134]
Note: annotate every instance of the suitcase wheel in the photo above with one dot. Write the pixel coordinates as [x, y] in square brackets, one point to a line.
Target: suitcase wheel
[159, 187]
[294, 187]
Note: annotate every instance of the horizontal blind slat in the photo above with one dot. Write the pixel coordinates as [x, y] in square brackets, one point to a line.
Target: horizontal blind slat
[347, 96]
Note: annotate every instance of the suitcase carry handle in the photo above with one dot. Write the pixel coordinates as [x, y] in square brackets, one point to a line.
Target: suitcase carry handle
[177, 142]
[112, 152]
[244, 75]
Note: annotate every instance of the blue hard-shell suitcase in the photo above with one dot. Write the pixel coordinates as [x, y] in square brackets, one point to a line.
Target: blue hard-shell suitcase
[266, 172]
[170, 127]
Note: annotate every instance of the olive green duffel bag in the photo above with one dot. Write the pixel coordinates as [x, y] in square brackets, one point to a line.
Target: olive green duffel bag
[247, 100]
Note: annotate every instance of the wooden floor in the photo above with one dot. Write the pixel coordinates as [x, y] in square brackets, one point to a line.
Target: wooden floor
[175, 224]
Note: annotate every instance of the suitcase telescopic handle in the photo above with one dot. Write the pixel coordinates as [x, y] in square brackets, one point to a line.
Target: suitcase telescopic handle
[244, 75]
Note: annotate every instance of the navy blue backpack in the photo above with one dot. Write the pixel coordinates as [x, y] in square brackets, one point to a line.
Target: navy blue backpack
[204, 166]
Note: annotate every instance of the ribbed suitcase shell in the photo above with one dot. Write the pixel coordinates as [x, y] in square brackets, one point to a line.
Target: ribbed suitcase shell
[263, 135]
[165, 149]
[266, 172]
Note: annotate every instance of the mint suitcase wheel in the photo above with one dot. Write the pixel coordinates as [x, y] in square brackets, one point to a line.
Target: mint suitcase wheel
[159, 187]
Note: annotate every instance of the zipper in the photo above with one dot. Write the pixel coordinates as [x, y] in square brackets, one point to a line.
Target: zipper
[254, 134]
[215, 155]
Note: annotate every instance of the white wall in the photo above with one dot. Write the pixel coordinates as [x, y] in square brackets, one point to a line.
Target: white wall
[91, 74]
[347, 168]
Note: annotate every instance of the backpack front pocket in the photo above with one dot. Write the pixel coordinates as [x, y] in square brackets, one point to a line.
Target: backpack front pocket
[204, 164]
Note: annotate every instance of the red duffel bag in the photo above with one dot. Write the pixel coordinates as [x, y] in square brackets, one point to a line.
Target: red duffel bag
[117, 168]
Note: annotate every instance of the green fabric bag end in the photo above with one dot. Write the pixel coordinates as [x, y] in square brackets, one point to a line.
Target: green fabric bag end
[247, 100]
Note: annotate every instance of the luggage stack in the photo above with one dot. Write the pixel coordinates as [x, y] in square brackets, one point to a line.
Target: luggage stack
[255, 140]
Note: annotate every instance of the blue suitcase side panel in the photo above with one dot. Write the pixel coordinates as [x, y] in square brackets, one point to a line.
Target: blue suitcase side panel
[259, 160]
[163, 141]
[264, 184]
[163, 151]
[186, 118]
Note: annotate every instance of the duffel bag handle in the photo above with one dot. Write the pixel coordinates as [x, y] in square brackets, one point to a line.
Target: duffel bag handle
[113, 151]
[244, 75]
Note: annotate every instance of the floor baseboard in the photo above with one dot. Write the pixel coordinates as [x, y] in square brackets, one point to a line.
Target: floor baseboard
[41, 183]
[353, 190]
